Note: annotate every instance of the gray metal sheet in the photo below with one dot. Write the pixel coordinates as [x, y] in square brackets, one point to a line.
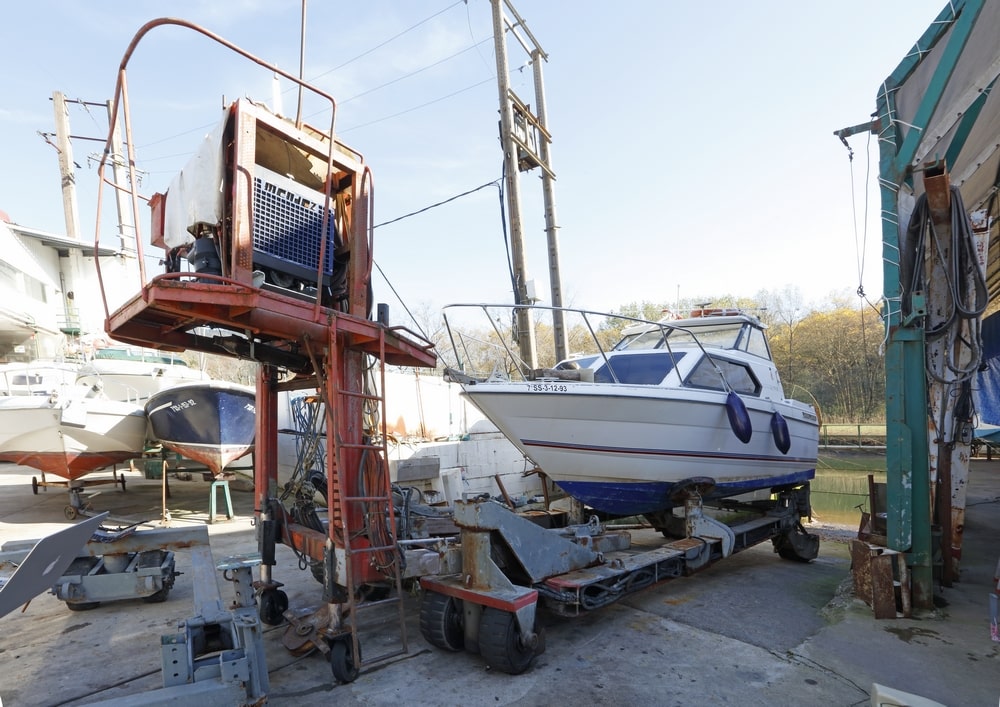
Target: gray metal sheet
[45, 563]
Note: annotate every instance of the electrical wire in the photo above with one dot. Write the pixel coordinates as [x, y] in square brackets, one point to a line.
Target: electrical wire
[495, 182]
[491, 79]
[336, 68]
[388, 41]
[410, 75]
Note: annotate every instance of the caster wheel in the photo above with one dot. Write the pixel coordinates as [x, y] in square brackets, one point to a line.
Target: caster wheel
[273, 605]
[342, 663]
[70, 512]
[34, 485]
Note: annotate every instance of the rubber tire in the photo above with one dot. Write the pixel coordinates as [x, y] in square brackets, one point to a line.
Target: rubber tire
[70, 512]
[157, 597]
[342, 664]
[273, 605]
[82, 605]
[442, 621]
[34, 485]
[500, 642]
[797, 545]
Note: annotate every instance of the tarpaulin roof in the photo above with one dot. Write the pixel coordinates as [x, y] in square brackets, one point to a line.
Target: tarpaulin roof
[939, 105]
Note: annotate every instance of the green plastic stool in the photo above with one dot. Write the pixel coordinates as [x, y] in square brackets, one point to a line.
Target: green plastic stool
[216, 485]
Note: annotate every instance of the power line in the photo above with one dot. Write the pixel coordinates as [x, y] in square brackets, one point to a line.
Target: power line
[491, 79]
[390, 39]
[412, 73]
[359, 56]
[495, 182]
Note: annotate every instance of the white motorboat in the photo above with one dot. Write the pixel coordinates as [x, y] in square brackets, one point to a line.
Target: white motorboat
[691, 403]
[36, 377]
[133, 374]
[69, 432]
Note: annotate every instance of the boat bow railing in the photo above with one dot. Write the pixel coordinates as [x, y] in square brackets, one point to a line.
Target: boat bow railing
[472, 349]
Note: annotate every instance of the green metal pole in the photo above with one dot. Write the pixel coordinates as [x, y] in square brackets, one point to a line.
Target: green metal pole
[908, 521]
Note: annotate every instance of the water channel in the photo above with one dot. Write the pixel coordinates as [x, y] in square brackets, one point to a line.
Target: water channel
[839, 493]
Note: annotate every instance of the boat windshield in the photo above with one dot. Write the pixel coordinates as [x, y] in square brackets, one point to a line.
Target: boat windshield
[638, 369]
[738, 335]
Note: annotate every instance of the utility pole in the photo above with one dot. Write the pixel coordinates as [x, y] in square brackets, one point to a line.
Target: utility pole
[525, 140]
[66, 165]
[525, 324]
[549, 201]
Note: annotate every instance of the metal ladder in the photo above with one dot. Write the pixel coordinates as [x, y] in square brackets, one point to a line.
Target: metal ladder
[373, 502]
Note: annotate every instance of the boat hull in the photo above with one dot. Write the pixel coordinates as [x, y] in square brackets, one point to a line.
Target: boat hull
[69, 440]
[624, 453]
[211, 422]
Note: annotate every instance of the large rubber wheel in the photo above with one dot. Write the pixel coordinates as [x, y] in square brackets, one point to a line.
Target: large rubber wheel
[82, 605]
[797, 545]
[501, 644]
[273, 605]
[157, 597]
[345, 668]
[442, 621]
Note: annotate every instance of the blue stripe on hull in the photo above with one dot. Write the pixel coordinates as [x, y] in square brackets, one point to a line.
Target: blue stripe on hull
[670, 453]
[636, 498]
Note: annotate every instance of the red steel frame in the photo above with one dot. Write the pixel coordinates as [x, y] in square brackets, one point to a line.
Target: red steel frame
[326, 347]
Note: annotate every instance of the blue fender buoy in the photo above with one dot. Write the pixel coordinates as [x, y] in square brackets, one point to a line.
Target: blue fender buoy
[739, 418]
[779, 430]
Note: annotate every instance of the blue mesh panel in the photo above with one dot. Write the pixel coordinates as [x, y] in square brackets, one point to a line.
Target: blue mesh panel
[288, 221]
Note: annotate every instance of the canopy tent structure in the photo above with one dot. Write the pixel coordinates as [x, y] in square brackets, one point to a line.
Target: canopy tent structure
[938, 125]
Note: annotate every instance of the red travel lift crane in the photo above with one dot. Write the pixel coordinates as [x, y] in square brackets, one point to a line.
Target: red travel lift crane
[283, 277]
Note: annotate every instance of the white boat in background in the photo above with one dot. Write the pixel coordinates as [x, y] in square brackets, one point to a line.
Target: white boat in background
[133, 374]
[52, 424]
[36, 377]
[674, 405]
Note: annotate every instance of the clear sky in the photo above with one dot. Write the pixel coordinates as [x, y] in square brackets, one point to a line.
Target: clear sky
[693, 142]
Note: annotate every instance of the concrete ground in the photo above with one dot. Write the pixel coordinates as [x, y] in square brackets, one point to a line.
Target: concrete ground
[751, 630]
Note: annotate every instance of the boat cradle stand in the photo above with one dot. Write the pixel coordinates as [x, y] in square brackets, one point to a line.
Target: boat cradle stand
[219, 657]
[509, 564]
[220, 484]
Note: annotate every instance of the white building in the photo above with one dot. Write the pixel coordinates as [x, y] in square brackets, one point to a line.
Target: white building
[49, 291]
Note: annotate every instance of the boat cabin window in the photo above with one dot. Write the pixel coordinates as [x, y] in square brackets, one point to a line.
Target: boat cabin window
[739, 377]
[757, 343]
[638, 368]
[572, 364]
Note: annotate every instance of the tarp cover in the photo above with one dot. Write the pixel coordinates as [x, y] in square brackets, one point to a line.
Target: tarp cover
[987, 386]
[195, 194]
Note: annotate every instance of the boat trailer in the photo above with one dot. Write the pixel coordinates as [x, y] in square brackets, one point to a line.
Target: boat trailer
[510, 567]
